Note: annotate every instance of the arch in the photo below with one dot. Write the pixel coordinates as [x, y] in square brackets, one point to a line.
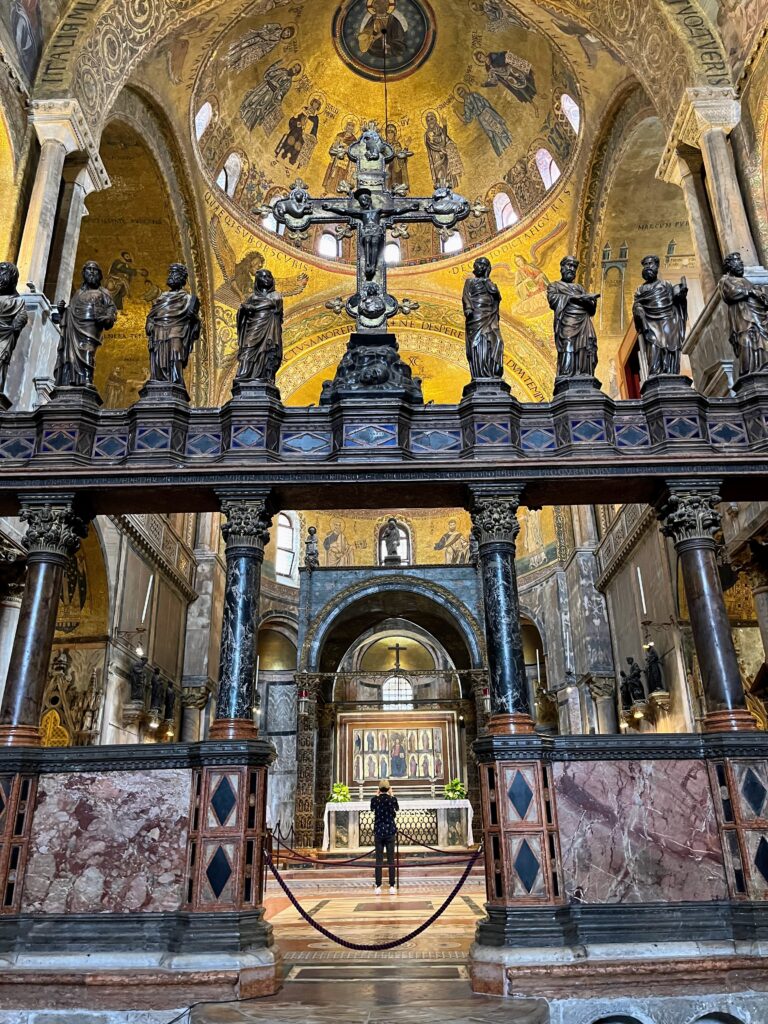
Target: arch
[328, 246]
[276, 651]
[286, 539]
[392, 253]
[352, 612]
[504, 210]
[203, 118]
[651, 38]
[718, 1017]
[619, 1018]
[230, 174]
[571, 110]
[452, 244]
[547, 166]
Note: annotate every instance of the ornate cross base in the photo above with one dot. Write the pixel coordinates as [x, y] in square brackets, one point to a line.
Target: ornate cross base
[370, 368]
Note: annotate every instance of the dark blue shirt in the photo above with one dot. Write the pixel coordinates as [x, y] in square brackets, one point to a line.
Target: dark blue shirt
[384, 808]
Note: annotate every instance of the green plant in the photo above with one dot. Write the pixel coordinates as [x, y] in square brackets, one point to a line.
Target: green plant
[339, 794]
[455, 790]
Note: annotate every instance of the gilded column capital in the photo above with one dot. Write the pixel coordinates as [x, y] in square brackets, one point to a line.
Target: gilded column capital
[689, 514]
[54, 529]
[494, 518]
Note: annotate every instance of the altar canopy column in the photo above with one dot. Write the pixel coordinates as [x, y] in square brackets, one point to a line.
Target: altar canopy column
[54, 531]
[494, 516]
[246, 532]
[78, 184]
[685, 172]
[688, 515]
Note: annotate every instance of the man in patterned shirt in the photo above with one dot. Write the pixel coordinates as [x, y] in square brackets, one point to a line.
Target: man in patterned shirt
[384, 807]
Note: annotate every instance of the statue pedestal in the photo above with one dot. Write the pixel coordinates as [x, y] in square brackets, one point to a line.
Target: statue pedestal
[371, 368]
[490, 419]
[751, 391]
[160, 419]
[393, 561]
[67, 424]
[583, 415]
[580, 384]
[251, 420]
[675, 412]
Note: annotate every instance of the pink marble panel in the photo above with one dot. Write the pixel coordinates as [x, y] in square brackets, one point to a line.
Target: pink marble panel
[638, 831]
[108, 843]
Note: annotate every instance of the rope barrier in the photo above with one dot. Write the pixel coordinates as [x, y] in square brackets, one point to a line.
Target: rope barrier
[362, 947]
[417, 842]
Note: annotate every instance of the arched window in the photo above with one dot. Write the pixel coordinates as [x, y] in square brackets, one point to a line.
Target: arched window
[285, 558]
[571, 110]
[392, 254]
[269, 223]
[548, 169]
[230, 174]
[203, 119]
[504, 211]
[403, 548]
[329, 246]
[397, 694]
[453, 243]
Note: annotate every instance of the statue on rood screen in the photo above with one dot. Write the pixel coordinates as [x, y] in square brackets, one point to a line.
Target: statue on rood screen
[90, 312]
[660, 311]
[312, 555]
[653, 674]
[747, 314]
[173, 327]
[13, 317]
[575, 338]
[626, 696]
[391, 538]
[260, 332]
[635, 682]
[481, 300]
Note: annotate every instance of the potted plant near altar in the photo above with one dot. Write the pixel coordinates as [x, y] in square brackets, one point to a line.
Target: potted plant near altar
[455, 790]
[339, 794]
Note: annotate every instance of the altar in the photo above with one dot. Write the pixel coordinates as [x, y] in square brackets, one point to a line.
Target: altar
[434, 822]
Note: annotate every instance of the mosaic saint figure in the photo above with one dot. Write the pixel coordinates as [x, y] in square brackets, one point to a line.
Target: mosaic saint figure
[530, 280]
[27, 32]
[575, 338]
[260, 332]
[747, 314]
[120, 277]
[513, 73]
[256, 45]
[660, 310]
[370, 743]
[302, 132]
[477, 108]
[481, 300]
[443, 153]
[262, 102]
[173, 327]
[454, 545]
[413, 767]
[397, 168]
[339, 167]
[397, 760]
[338, 550]
[382, 30]
[13, 317]
[90, 312]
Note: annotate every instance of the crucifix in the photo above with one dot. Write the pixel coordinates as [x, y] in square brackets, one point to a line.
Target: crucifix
[397, 648]
[371, 211]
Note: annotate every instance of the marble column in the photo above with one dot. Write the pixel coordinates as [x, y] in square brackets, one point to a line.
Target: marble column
[757, 580]
[78, 184]
[602, 690]
[41, 215]
[246, 532]
[685, 172]
[494, 516]
[688, 515]
[53, 535]
[10, 607]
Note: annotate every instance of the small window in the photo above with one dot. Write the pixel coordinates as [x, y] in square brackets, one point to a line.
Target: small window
[203, 119]
[571, 110]
[269, 223]
[453, 243]
[504, 211]
[548, 169]
[230, 174]
[397, 694]
[392, 253]
[286, 546]
[329, 246]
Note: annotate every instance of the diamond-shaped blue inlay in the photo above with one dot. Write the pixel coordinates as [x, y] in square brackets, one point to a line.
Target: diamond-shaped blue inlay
[754, 792]
[761, 858]
[248, 437]
[632, 435]
[307, 442]
[521, 794]
[727, 433]
[370, 435]
[109, 446]
[204, 444]
[526, 865]
[219, 872]
[152, 437]
[538, 439]
[59, 441]
[492, 433]
[17, 448]
[588, 430]
[682, 426]
[435, 440]
[223, 800]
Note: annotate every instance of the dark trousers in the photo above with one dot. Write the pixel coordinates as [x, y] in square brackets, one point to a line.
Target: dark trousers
[388, 843]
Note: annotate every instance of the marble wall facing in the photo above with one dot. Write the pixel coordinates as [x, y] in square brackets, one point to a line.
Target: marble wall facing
[108, 843]
[638, 831]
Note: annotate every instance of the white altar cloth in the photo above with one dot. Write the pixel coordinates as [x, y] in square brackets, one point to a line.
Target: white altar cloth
[410, 805]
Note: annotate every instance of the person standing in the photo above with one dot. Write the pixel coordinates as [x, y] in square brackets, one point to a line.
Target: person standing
[385, 807]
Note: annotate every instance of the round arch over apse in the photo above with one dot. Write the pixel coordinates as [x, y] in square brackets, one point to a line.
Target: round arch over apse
[355, 610]
[649, 37]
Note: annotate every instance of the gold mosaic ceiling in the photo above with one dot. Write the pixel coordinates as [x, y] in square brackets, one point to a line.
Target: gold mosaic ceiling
[474, 94]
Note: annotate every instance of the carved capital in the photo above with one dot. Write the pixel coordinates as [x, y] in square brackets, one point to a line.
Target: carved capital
[195, 697]
[689, 515]
[247, 523]
[704, 109]
[62, 121]
[602, 688]
[494, 519]
[52, 529]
